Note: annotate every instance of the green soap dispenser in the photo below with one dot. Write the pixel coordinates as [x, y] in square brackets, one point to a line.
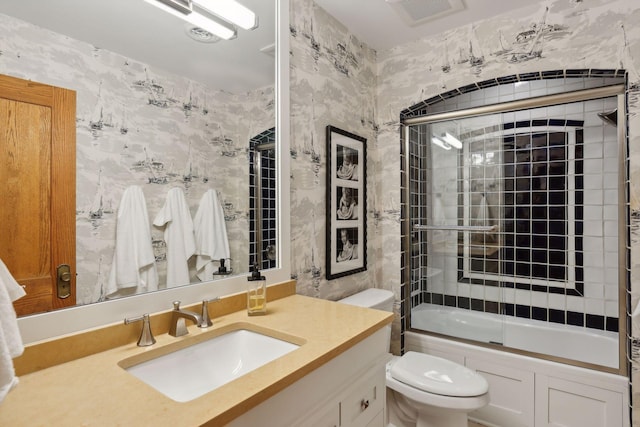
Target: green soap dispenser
[256, 293]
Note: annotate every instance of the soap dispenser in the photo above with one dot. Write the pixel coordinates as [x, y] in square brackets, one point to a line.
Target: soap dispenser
[256, 293]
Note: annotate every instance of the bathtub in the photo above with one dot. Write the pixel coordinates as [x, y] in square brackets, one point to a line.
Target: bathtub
[526, 390]
[566, 341]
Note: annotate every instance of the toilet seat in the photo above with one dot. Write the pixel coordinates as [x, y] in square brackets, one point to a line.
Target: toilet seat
[437, 401]
[437, 376]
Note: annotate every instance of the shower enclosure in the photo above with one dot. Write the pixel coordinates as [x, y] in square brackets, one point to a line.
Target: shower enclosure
[262, 200]
[515, 222]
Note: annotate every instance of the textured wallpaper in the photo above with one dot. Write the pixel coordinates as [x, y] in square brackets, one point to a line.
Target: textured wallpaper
[143, 126]
[337, 80]
[572, 35]
[332, 83]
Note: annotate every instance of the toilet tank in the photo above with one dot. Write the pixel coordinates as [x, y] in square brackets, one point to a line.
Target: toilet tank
[380, 299]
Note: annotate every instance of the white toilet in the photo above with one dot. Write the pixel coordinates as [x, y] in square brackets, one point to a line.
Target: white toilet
[424, 390]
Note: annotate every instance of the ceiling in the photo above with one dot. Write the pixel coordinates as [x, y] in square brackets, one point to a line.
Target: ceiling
[137, 30]
[376, 23]
[140, 31]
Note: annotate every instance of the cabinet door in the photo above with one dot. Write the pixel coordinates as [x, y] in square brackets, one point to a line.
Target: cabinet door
[562, 403]
[328, 416]
[364, 400]
[510, 392]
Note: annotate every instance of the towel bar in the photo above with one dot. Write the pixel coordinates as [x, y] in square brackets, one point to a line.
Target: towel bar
[476, 228]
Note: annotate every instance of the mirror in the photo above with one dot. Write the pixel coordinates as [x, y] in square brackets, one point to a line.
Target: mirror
[166, 121]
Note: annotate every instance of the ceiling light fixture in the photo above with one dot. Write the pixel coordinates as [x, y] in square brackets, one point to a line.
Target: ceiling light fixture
[231, 11]
[452, 140]
[183, 9]
[440, 143]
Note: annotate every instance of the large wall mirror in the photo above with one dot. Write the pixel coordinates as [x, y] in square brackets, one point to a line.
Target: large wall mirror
[160, 105]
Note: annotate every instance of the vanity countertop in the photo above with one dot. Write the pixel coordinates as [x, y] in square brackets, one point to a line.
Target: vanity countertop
[95, 390]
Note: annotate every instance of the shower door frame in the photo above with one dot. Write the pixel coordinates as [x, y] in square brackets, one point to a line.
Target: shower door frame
[407, 226]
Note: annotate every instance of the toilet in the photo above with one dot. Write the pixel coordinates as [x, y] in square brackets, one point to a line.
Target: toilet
[425, 390]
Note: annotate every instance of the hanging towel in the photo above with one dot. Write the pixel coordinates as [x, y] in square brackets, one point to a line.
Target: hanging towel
[178, 234]
[482, 212]
[438, 212]
[133, 263]
[211, 235]
[10, 340]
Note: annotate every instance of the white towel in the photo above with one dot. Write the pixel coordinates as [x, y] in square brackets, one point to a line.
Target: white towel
[10, 340]
[482, 212]
[133, 259]
[438, 212]
[178, 234]
[211, 235]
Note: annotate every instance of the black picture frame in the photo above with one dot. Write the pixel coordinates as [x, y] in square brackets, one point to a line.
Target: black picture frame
[346, 203]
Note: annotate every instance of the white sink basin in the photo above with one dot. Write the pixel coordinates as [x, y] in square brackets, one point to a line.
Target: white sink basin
[193, 371]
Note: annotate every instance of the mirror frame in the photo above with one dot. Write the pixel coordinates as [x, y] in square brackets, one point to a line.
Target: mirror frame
[44, 326]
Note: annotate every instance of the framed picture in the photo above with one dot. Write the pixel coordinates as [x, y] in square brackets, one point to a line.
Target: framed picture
[346, 203]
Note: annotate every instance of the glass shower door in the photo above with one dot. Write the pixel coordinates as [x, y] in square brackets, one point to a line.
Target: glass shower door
[456, 216]
[515, 221]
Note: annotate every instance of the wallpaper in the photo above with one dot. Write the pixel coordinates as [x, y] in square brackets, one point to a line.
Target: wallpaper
[137, 125]
[332, 83]
[552, 35]
[337, 80]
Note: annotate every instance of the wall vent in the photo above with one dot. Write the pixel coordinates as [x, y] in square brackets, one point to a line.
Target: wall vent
[416, 12]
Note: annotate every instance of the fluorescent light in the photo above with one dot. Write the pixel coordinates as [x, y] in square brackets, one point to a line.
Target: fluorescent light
[198, 20]
[231, 11]
[452, 140]
[440, 143]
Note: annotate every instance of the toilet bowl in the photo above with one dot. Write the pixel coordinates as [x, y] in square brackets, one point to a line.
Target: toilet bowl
[425, 390]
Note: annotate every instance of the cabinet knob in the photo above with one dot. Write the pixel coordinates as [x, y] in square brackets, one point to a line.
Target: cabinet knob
[364, 404]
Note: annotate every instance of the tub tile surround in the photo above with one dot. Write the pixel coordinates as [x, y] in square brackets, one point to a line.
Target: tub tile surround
[593, 302]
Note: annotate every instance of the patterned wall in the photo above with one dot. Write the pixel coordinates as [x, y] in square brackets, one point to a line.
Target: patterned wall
[140, 125]
[572, 37]
[333, 80]
[337, 80]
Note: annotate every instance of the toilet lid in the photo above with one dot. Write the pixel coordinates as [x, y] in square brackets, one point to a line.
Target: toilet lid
[439, 376]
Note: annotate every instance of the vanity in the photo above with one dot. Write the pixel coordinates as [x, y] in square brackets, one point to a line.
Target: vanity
[335, 376]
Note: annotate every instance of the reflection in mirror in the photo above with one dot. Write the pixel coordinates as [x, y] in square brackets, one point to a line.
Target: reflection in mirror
[262, 189]
[159, 110]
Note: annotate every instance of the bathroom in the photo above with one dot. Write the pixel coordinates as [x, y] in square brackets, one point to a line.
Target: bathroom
[367, 100]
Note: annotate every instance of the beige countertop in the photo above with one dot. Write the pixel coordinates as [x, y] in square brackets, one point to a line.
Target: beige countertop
[96, 391]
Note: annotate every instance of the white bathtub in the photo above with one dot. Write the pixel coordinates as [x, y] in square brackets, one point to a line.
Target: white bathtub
[528, 391]
[566, 341]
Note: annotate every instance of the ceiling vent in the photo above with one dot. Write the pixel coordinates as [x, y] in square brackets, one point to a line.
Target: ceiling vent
[200, 35]
[416, 12]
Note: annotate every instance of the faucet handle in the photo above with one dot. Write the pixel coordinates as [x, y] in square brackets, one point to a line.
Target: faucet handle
[206, 320]
[146, 337]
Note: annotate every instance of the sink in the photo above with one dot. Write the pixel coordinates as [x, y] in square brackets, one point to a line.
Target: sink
[190, 372]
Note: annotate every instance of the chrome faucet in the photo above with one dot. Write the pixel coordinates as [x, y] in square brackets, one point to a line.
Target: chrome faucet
[178, 326]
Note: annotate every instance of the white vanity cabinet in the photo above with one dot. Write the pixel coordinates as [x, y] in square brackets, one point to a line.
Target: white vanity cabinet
[359, 405]
[348, 390]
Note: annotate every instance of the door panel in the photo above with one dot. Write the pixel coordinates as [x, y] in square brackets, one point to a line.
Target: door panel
[37, 169]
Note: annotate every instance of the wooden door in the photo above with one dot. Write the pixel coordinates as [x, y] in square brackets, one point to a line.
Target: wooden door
[37, 190]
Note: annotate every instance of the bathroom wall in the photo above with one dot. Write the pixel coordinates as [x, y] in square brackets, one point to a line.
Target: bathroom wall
[582, 34]
[140, 125]
[413, 72]
[333, 80]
